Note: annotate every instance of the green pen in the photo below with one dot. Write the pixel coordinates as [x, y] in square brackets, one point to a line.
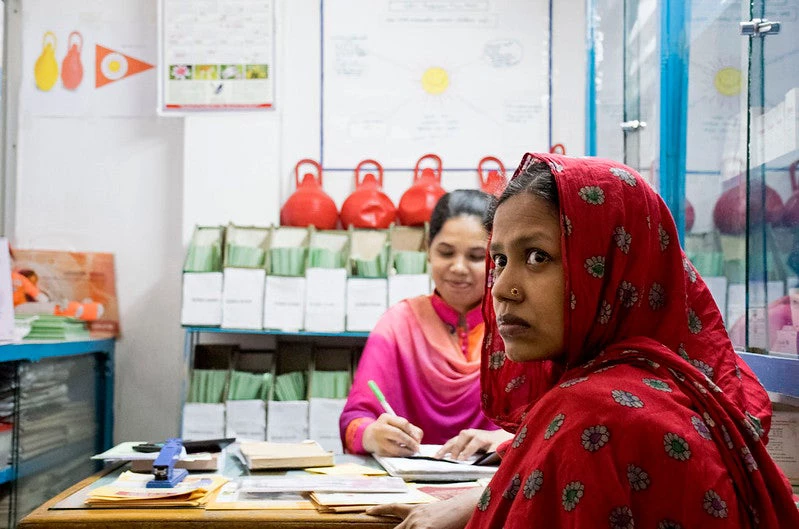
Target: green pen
[380, 397]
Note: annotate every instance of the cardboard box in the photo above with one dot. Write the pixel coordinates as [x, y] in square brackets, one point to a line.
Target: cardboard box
[202, 277]
[367, 297]
[203, 421]
[287, 421]
[323, 428]
[243, 285]
[246, 419]
[284, 295]
[326, 288]
[402, 285]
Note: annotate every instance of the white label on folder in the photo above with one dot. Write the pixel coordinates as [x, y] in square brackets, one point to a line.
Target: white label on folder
[366, 302]
[243, 298]
[325, 306]
[246, 420]
[323, 417]
[284, 303]
[403, 286]
[202, 298]
[287, 421]
[203, 421]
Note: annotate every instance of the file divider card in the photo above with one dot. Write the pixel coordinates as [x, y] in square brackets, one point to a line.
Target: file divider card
[408, 275]
[244, 277]
[284, 289]
[287, 421]
[202, 277]
[367, 286]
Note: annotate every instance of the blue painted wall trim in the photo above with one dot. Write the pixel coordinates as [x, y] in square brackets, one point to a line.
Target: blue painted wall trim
[590, 80]
[674, 55]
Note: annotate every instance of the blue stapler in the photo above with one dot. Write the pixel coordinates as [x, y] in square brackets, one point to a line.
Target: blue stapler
[165, 474]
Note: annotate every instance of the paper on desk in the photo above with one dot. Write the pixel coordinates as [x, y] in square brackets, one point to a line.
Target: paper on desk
[344, 499]
[322, 484]
[231, 497]
[348, 469]
[125, 452]
[131, 488]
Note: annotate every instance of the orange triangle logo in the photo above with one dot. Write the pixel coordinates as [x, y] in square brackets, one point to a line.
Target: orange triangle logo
[110, 66]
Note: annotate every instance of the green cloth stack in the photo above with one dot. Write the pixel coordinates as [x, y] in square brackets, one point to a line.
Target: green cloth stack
[247, 386]
[407, 262]
[207, 385]
[324, 258]
[287, 261]
[203, 259]
[49, 327]
[371, 267]
[245, 256]
[290, 386]
[330, 384]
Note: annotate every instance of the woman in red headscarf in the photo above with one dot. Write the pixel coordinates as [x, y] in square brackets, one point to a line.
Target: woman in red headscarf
[655, 421]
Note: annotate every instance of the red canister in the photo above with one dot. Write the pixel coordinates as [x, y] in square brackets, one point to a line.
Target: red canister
[309, 204]
[417, 203]
[494, 181]
[368, 206]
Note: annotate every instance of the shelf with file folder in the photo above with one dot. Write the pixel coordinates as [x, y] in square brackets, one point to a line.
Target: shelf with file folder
[35, 350]
[778, 374]
[271, 332]
[83, 449]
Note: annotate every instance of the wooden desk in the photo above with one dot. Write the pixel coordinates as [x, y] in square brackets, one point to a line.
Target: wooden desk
[171, 518]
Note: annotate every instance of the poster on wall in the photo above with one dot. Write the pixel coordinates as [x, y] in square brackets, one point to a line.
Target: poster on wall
[216, 55]
[76, 284]
[461, 79]
[87, 60]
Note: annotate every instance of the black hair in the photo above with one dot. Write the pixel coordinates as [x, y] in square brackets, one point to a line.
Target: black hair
[457, 203]
[536, 179]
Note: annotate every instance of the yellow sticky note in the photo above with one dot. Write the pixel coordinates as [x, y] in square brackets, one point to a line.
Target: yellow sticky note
[347, 469]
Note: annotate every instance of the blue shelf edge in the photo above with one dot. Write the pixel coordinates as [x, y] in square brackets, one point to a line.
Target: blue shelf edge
[35, 351]
[272, 332]
[778, 374]
[7, 474]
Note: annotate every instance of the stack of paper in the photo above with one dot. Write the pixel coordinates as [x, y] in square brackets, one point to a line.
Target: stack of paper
[129, 490]
[330, 384]
[290, 386]
[49, 327]
[325, 258]
[203, 259]
[207, 385]
[247, 386]
[287, 261]
[336, 502]
[423, 467]
[407, 262]
[244, 256]
[264, 455]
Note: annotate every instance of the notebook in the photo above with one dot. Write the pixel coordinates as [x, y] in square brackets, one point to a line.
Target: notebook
[423, 467]
[262, 455]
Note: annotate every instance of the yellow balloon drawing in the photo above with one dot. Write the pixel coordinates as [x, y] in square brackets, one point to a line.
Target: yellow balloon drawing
[45, 71]
[435, 80]
[728, 81]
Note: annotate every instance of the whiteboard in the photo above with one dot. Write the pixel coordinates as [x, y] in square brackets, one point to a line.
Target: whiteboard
[216, 55]
[407, 77]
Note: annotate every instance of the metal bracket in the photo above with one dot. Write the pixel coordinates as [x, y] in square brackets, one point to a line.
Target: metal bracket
[759, 27]
[628, 126]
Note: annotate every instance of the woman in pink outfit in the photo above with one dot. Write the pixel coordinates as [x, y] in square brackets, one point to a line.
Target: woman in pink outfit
[424, 353]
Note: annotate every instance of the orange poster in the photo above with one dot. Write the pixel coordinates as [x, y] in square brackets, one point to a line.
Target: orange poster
[77, 284]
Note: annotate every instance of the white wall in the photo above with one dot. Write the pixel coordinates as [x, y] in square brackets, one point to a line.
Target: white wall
[137, 186]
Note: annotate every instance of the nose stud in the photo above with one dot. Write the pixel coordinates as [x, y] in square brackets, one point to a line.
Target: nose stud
[514, 292]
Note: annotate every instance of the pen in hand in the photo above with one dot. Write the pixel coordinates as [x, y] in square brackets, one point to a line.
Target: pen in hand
[408, 429]
[381, 398]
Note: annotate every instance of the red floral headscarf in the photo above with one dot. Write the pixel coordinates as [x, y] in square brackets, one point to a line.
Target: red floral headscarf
[626, 276]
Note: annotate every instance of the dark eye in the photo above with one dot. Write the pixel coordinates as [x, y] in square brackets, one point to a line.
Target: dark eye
[500, 260]
[537, 257]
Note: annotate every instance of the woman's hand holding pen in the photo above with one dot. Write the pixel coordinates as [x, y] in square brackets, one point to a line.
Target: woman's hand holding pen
[391, 435]
[469, 442]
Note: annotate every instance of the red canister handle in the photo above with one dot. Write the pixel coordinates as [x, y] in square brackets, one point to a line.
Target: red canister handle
[369, 162]
[309, 161]
[483, 178]
[558, 148]
[435, 158]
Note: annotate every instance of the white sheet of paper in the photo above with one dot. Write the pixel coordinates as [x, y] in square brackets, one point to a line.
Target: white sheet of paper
[203, 421]
[284, 303]
[367, 300]
[243, 298]
[323, 428]
[287, 421]
[246, 419]
[325, 295]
